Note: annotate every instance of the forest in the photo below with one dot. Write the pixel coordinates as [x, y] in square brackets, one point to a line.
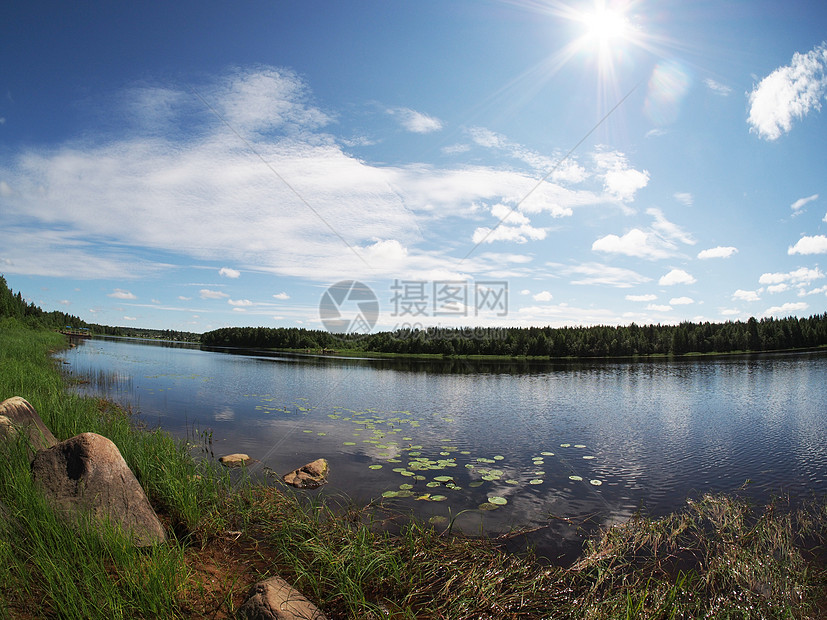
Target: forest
[768, 334]
[15, 306]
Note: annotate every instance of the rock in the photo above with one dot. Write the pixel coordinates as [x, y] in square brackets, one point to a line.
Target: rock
[87, 474]
[233, 460]
[275, 599]
[310, 476]
[18, 416]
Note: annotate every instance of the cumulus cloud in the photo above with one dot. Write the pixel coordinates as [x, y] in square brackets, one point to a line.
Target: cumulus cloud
[227, 272]
[634, 243]
[643, 298]
[120, 293]
[787, 309]
[239, 302]
[282, 296]
[620, 180]
[809, 245]
[543, 296]
[416, 122]
[743, 295]
[718, 252]
[681, 301]
[676, 276]
[659, 307]
[790, 92]
[800, 276]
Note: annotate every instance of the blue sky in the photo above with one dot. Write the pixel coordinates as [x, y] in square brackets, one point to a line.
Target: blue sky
[197, 165]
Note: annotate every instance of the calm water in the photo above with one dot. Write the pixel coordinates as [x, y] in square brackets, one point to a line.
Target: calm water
[588, 442]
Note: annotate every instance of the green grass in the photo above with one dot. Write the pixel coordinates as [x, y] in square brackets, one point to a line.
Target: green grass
[718, 558]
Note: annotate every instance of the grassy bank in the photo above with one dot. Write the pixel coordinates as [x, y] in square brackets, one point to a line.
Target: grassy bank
[718, 558]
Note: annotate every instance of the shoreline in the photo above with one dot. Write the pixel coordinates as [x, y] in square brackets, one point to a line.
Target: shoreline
[344, 559]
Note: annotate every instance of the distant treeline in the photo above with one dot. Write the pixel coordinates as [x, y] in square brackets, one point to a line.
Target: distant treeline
[601, 341]
[13, 305]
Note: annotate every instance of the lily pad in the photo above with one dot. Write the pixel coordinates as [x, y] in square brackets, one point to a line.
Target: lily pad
[438, 498]
[596, 483]
[390, 494]
[443, 478]
[576, 478]
[535, 481]
[499, 501]
[405, 486]
[547, 453]
[349, 443]
[488, 506]
[377, 466]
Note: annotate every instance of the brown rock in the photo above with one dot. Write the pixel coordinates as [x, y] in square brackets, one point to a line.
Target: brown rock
[87, 474]
[17, 416]
[310, 476]
[233, 460]
[275, 599]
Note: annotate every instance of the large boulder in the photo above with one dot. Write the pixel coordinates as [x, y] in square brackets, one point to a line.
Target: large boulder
[310, 476]
[234, 460]
[18, 417]
[275, 599]
[87, 474]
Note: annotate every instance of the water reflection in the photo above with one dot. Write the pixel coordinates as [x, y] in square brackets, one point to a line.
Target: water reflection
[658, 431]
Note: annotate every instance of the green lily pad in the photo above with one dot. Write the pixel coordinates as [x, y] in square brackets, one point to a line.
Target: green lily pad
[579, 445]
[475, 484]
[499, 457]
[377, 466]
[576, 478]
[547, 453]
[349, 443]
[596, 483]
[405, 487]
[535, 481]
[500, 501]
[565, 445]
[438, 498]
[390, 494]
[488, 506]
[433, 484]
[512, 482]
[443, 478]
[588, 457]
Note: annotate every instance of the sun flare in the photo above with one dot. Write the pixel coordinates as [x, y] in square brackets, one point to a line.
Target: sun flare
[604, 25]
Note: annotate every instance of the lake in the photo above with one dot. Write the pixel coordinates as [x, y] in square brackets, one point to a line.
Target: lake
[556, 447]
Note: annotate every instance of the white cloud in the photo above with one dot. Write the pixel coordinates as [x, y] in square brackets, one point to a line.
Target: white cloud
[685, 198]
[282, 296]
[416, 122]
[800, 276]
[119, 293]
[667, 230]
[518, 234]
[778, 288]
[634, 243]
[681, 301]
[543, 296]
[600, 274]
[206, 293]
[130, 318]
[717, 87]
[718, 252]
[743, 295]
[239, 302]
[816, 291]
[790, 92]
[676, 276]
[809, 245]
[648, 297]
[228, 272]
[787, 309]
[619, 179]
[803, 201]
[659, 307]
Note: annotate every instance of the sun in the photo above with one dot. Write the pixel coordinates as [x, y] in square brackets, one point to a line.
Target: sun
[605, 25]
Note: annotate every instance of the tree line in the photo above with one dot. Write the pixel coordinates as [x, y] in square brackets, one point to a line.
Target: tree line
[13, 305]
[768, 334]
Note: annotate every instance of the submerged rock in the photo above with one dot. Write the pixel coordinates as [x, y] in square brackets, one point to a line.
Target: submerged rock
[86, 474]
[234, 460]
[17, 416]
[310, 476]
[275, 599]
